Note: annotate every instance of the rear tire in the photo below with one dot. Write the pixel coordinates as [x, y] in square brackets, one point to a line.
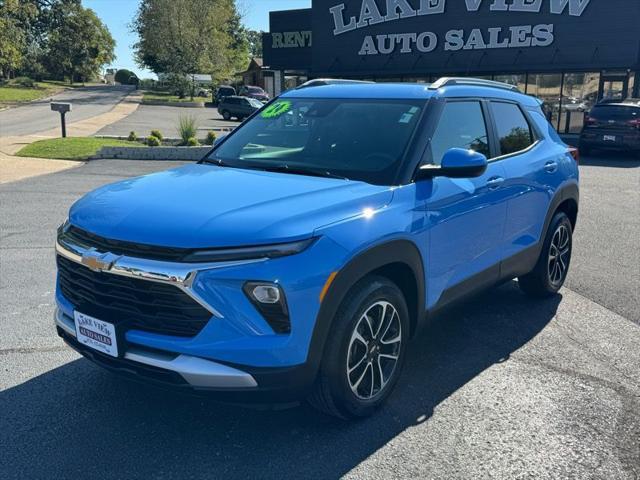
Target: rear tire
[365, 350]
[550, 273]
[226, 115]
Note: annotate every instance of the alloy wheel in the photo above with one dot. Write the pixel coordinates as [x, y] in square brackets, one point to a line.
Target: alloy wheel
[559, 256]
[374, 350]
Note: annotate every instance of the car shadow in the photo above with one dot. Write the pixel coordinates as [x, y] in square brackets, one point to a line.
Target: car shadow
[611, 159]
[79, 421]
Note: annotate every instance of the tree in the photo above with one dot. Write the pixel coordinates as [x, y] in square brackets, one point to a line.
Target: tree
[14, 16]
[254, 38]
[190, 36]
[79, 44]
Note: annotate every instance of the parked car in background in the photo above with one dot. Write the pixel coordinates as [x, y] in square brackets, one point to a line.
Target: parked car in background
[254, 92]
[223, 92]
[574, 105]
[612, 126]
[238, 107]
[300, 257]
[203, 92]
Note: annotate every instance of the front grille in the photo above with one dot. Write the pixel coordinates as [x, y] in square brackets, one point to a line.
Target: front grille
[139, 304]
[152, 252]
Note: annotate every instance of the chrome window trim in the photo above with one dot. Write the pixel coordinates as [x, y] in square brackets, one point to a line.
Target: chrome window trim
[180, 275]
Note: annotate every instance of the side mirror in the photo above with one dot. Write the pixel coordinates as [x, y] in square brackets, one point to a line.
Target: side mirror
[456, 163]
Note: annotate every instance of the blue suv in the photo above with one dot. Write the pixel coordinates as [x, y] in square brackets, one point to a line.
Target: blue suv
[299, 258]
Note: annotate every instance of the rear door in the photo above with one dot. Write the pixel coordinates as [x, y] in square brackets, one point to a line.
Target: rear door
[466, 216]
[534, 171]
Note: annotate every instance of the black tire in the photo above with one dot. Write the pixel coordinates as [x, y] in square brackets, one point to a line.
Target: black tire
[550, 272]
[333, 393]
[226, 115]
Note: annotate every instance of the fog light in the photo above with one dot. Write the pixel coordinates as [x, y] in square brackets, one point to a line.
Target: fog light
[269, 300]
[266, 293]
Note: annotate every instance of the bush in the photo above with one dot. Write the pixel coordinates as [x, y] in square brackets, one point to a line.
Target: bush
[193, 142]
[126, 77]
[24, 82]
[188, 128]
[211, 138]
[153, 141]
[178, 84]
[157, 134]
[133, 137]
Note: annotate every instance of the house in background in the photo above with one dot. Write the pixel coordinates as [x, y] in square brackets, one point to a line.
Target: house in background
[254, 75]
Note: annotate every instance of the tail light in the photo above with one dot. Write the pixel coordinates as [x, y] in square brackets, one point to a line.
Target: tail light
[590, 120]
[575, 153]
[635, 122]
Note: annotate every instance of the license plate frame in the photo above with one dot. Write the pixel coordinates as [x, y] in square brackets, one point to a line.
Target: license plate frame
[96, 334]
[610, 138]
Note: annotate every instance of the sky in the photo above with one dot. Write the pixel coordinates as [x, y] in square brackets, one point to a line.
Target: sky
[117, 15]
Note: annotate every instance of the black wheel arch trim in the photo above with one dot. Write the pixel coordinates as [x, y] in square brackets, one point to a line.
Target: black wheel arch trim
[396, 251]
[569, 191]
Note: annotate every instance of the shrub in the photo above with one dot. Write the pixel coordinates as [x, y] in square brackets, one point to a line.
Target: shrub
[178, 84]
[193, 142]
[126, 77]
[188, 128]
[157, 134]
[133, 137]
[24, 82]
[153, 141]
[211, 138]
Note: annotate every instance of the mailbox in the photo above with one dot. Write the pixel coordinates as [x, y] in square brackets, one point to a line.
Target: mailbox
[61, 107]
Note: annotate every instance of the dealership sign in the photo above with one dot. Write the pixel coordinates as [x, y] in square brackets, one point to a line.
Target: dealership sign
[516, 36]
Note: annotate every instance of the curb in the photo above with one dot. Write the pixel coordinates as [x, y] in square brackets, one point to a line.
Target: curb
[159, 103]
[152, 153]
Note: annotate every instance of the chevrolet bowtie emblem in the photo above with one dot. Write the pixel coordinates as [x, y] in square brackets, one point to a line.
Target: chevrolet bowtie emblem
[98, 262]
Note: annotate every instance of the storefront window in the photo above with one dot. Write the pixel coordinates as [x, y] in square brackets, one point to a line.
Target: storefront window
[293, 81]
[547, 88]
[633, 79]
[519, 81]
[580, 93]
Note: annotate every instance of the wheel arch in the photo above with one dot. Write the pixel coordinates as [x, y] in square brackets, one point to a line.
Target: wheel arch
[566, 200]
[399, 260]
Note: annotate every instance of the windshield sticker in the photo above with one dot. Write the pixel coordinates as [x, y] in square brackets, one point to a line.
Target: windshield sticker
[277, 109]
[406, 118]
[414, 110]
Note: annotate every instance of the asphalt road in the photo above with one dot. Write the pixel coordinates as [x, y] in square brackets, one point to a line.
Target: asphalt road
[165, 119]
[37, 116]
[501, 387]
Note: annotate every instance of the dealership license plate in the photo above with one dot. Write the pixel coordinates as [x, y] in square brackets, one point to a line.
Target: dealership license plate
[609, 138]
[96, 334]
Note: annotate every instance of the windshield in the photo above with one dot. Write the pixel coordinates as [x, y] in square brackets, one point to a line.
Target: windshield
[357, 139]
[254, 90]
[255, 103]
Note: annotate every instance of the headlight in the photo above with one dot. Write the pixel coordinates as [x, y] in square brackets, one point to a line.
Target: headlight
[248, 253]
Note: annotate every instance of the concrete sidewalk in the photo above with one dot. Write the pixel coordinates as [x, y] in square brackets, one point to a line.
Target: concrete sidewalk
[14, 168]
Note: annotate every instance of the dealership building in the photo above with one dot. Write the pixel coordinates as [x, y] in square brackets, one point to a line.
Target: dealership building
[570, 53]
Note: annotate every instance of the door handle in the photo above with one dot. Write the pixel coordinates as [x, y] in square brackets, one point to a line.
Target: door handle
[495, 183]
[551, 167]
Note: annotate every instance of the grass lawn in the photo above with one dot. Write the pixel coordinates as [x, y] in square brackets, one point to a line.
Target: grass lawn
[72, 148]
[167, 97]
[16, 94]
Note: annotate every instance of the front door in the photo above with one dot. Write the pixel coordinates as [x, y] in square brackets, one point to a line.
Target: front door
[466, 216]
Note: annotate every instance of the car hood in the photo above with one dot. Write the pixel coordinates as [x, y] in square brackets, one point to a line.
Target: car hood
[201, 206]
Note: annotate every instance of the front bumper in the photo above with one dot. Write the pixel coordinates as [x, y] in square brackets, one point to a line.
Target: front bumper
[196, 372]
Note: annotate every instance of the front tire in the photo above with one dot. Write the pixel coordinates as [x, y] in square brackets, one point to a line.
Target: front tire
[365, 350]
[226, 115]
[550, 273]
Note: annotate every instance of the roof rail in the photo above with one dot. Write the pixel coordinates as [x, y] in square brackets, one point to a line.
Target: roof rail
[472, 82]
[329, 81]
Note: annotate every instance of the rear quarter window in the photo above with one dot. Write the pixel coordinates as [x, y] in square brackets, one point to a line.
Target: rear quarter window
[514, 132]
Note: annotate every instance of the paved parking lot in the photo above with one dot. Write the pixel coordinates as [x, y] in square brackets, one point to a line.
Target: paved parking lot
[165, 119]
[501, 387]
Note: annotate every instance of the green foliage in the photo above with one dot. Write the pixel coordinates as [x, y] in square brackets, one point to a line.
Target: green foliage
[126, 77]
[193, 142]
[79, 44]
[211, 138]
[254, 39]
[153, 141]
[25, 82]
[179, 84]
[157, 134]
[133, 136]
[187, 127]
[190, 36]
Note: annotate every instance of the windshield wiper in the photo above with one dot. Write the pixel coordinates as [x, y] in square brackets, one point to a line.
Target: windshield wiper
[300, 171]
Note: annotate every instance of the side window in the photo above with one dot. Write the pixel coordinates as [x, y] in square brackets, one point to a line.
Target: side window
[514, 131]
[462, 125]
